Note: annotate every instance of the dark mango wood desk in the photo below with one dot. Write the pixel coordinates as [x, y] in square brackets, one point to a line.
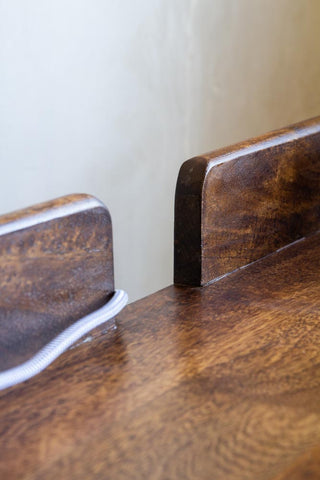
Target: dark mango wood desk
[214, 382]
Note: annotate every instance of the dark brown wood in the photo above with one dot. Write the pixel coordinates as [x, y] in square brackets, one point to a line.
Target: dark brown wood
[306, 467]
[221, 382]
[56, 265]
[239, 203]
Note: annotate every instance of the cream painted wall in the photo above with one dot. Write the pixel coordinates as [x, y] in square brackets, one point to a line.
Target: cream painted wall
[110, 97]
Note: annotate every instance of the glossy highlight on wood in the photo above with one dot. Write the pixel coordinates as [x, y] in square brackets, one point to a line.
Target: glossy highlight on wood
[56, 262]
[239, 203]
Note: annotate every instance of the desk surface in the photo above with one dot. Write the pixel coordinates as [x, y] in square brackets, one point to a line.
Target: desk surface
[199, 383]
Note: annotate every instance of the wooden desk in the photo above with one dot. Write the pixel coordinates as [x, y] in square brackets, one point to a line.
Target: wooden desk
[199, 383]
[212, 382]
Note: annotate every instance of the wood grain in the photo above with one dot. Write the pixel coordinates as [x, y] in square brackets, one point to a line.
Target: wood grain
[221, 382]
[305, 467]
[56, 265]
[237, 204]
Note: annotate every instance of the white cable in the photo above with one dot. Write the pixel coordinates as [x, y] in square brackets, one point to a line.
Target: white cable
[64, 340]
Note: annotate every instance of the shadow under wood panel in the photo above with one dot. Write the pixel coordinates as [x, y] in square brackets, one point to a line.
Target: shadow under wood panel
[240, 203]
[56, 262]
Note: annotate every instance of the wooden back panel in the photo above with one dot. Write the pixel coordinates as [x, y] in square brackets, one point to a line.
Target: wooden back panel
[56, 262]
[238, 204]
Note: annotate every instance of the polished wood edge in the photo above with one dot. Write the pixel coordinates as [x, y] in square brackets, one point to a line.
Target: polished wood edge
[47, 211]
[274, 138]
[190, 188]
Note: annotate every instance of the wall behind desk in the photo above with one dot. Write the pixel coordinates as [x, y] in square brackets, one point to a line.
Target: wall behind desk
[110, 97]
